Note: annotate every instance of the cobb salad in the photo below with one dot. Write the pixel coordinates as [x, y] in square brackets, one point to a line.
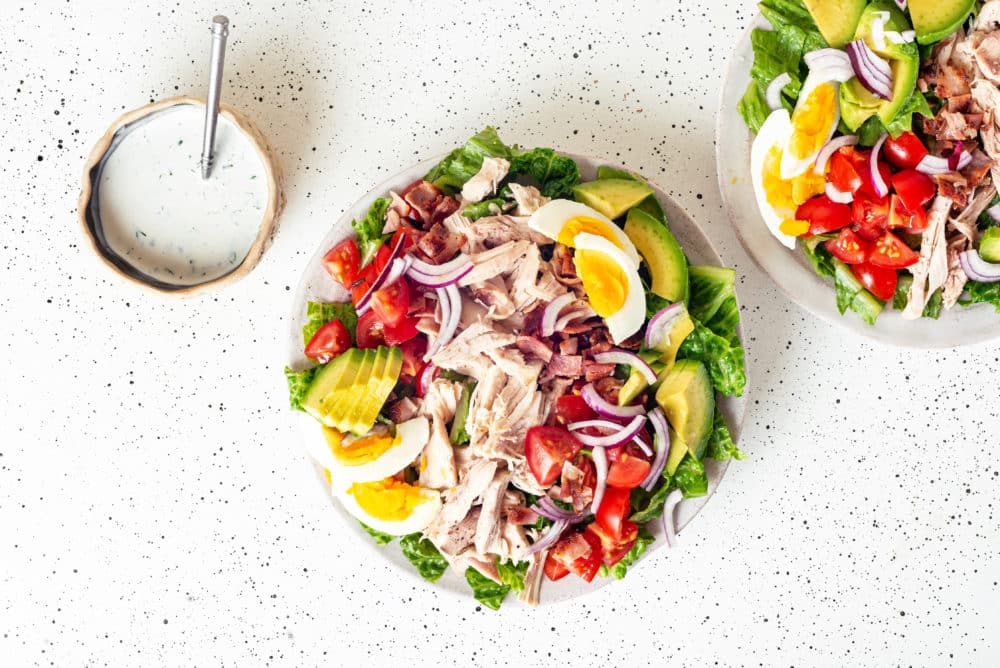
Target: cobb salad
[526, 373]
[876, 147]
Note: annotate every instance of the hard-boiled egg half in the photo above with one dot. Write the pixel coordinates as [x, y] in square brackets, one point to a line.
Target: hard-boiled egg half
[562, 220]
[361, 474]
[611, 281]
[813, 121]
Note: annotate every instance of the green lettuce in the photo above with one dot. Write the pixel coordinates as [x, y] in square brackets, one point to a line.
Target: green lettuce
[753, 107]
[981, 293]
[369, 229]
[424, 556]
[380, 537]
[725, 320]
[298, 385]
[902, 296]
[850, 293]
[486, 591]
[463, 163]
[512, 573]
[721, 446]
[648, 506]
[723, 358]
[903, 120]
[320, 313]
[690, 477]
[710, 287]
[488, 207]
[642, 541]
[555, 174]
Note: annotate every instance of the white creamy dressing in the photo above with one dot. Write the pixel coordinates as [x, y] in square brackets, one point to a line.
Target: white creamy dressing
[162, 217]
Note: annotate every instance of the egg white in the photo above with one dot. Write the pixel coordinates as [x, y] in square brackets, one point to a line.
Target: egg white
[411, 437]
[421, 516]
[775, 131]
[627, 320]
[550, 218]
[791, 166]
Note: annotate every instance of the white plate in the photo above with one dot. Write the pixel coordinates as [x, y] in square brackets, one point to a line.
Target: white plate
[316, 285]
[789, 269]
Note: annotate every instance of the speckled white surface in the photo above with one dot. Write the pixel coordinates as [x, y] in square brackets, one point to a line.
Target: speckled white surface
[154, 509]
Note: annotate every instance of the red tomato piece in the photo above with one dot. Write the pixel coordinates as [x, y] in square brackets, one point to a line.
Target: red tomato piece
[343, 262]
[870, 215]
[901, 216]
[402, 332]
[614, 510]
[579, 553]
[572, 408]
[547, 449]
[905, 151]
[842, 173]
[382, 258]
[892, 252]
[823, 214]
[848, 247]
[371, 331]
[914, 188]
[410, 236]
[366, 276]
[879, 281]
[391, 302]
[614, 546]
[861, 159]
[329, 341]
[628, 472]
[553, 569]
[413, 356]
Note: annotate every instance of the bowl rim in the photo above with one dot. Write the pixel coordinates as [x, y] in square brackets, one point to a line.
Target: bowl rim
[265, 231]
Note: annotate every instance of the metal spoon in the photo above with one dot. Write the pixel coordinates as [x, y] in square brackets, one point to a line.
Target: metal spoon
[220, 31]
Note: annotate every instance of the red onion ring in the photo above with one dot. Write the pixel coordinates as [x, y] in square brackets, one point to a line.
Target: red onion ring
[773, 92]
[628, 359]
[661, 442]
[829, 149]
[669, 530]
[431, 276]
[956, 156]
[932, 164]
[566, 319]
[615, 438]
[881, 188]
[872, 71]
[826, 58]
[426, 377]
[547, 508]
[364, 303]
[549, 539]
[551, 313]
[605, 408]
[642, 446]
[901, 4]
[978, 269]
[662, 322]
[601, 468]
[451, 313]
[838, 196]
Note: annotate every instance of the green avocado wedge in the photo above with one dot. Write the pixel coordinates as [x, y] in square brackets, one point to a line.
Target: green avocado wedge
[936, 19]
[836, 19]
[612, 197]
[687, 398]
[668, 267]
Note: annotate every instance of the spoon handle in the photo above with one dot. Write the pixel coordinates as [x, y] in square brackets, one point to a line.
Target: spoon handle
[220, 31]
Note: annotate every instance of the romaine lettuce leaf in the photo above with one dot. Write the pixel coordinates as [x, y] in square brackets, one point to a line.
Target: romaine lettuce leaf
[369, 229]
[981, 293]
[723, 359]
[512, 573]
[488, 207]
[725, 320]
[424, 556]
[378, 536]
[556, 174]
[710, 287]
[486, 591]
[903, 120]
[320, 313]
[721, 447]
[753, 107]
[462, 164]
[902, 296]
[690, 477]
[298, 385]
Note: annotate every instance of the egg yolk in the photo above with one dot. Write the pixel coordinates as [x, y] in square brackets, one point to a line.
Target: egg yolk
[361, 451]
[574, 226]
[603, 279]
[811, 121]
[783, 195]
[390, 499]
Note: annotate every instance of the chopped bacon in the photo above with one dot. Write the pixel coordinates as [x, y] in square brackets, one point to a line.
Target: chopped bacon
[424, 197]
[953, 186]
[533, 346]
[402, 410]
[596, 371]
[578, 327]
[977, 170]
[609, 387]
[574, 488]
[600, 347]
[563, 266]
[569, 346]
[633, 342]
[521, 515]
[440, 245]
[568, 366]
[446, 207]
[570, 548]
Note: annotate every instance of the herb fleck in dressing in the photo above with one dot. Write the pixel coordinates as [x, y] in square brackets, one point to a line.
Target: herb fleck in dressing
[162, 217]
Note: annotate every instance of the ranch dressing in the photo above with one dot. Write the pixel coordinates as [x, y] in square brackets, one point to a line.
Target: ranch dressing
[160, 215]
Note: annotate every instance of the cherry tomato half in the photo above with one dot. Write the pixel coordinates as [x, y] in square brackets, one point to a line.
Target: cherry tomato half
[391, 302]
[905, 151]
[879, 281]
[892, 252]
[914, 188]
[848, 247]
[343, 262]
[823, 214]
[547, 449]
[842, 173]
[329, 341]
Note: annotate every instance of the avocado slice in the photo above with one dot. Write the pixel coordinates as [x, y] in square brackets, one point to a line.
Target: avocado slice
[836, 19]
[668, 348]
[650, 205]
[677, 451]
[989, 245]
[336, 374]
[668, 267]
[936, 19]
[636, 382]
[378, 388]
[336, 407]
[363, 394]
[688, 400]
[612, 197]
[857, 103]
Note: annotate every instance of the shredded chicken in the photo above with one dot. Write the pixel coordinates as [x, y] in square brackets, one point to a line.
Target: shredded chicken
[533, 578]
[437, 463]
[484, 183]
[491, 519]
[528, 199]
[931, 270]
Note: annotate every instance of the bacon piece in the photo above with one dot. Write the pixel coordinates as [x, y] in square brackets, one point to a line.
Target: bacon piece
[423, 197]
[440, 245]
[609, 387]
[533, 346]
[569, 346]
[568, 366]
[521, 515]
[595, 371]
[444, 208]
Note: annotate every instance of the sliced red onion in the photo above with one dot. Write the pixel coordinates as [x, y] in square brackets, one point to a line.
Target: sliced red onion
[662, 322]
[605, 408]
[551, 313]
[549, 539]
[570, 317]
[956, 156]
[426, 377]
[878, 28]
[932, 164]
[829, 149]
[881, 187]
[669, 528]
[451, 313]
[601, 467]
[872, 71]
[978, 269]
[994, 212]
[661, 442]
[643, 446]
[838, 196]
[440, 275]
[825, 58]
[628, 359]
[618, 436]
[365, 302]
[773, 93]
[547, 508]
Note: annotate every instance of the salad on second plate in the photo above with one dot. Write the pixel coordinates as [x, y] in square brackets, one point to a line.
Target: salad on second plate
[877, 144]
[526, 373]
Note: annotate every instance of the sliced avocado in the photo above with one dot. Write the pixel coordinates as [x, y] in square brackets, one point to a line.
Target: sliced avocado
[688, 400]
[989, 244]
[836, 19]
[364, 393]
[668, 267]
[612, 197]
[682, 328]
[936, 19]
[650, 205]
[338, 373]
[379, 388]
[337, 405]
[677, 451]
[636, 382]
[857, 103]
